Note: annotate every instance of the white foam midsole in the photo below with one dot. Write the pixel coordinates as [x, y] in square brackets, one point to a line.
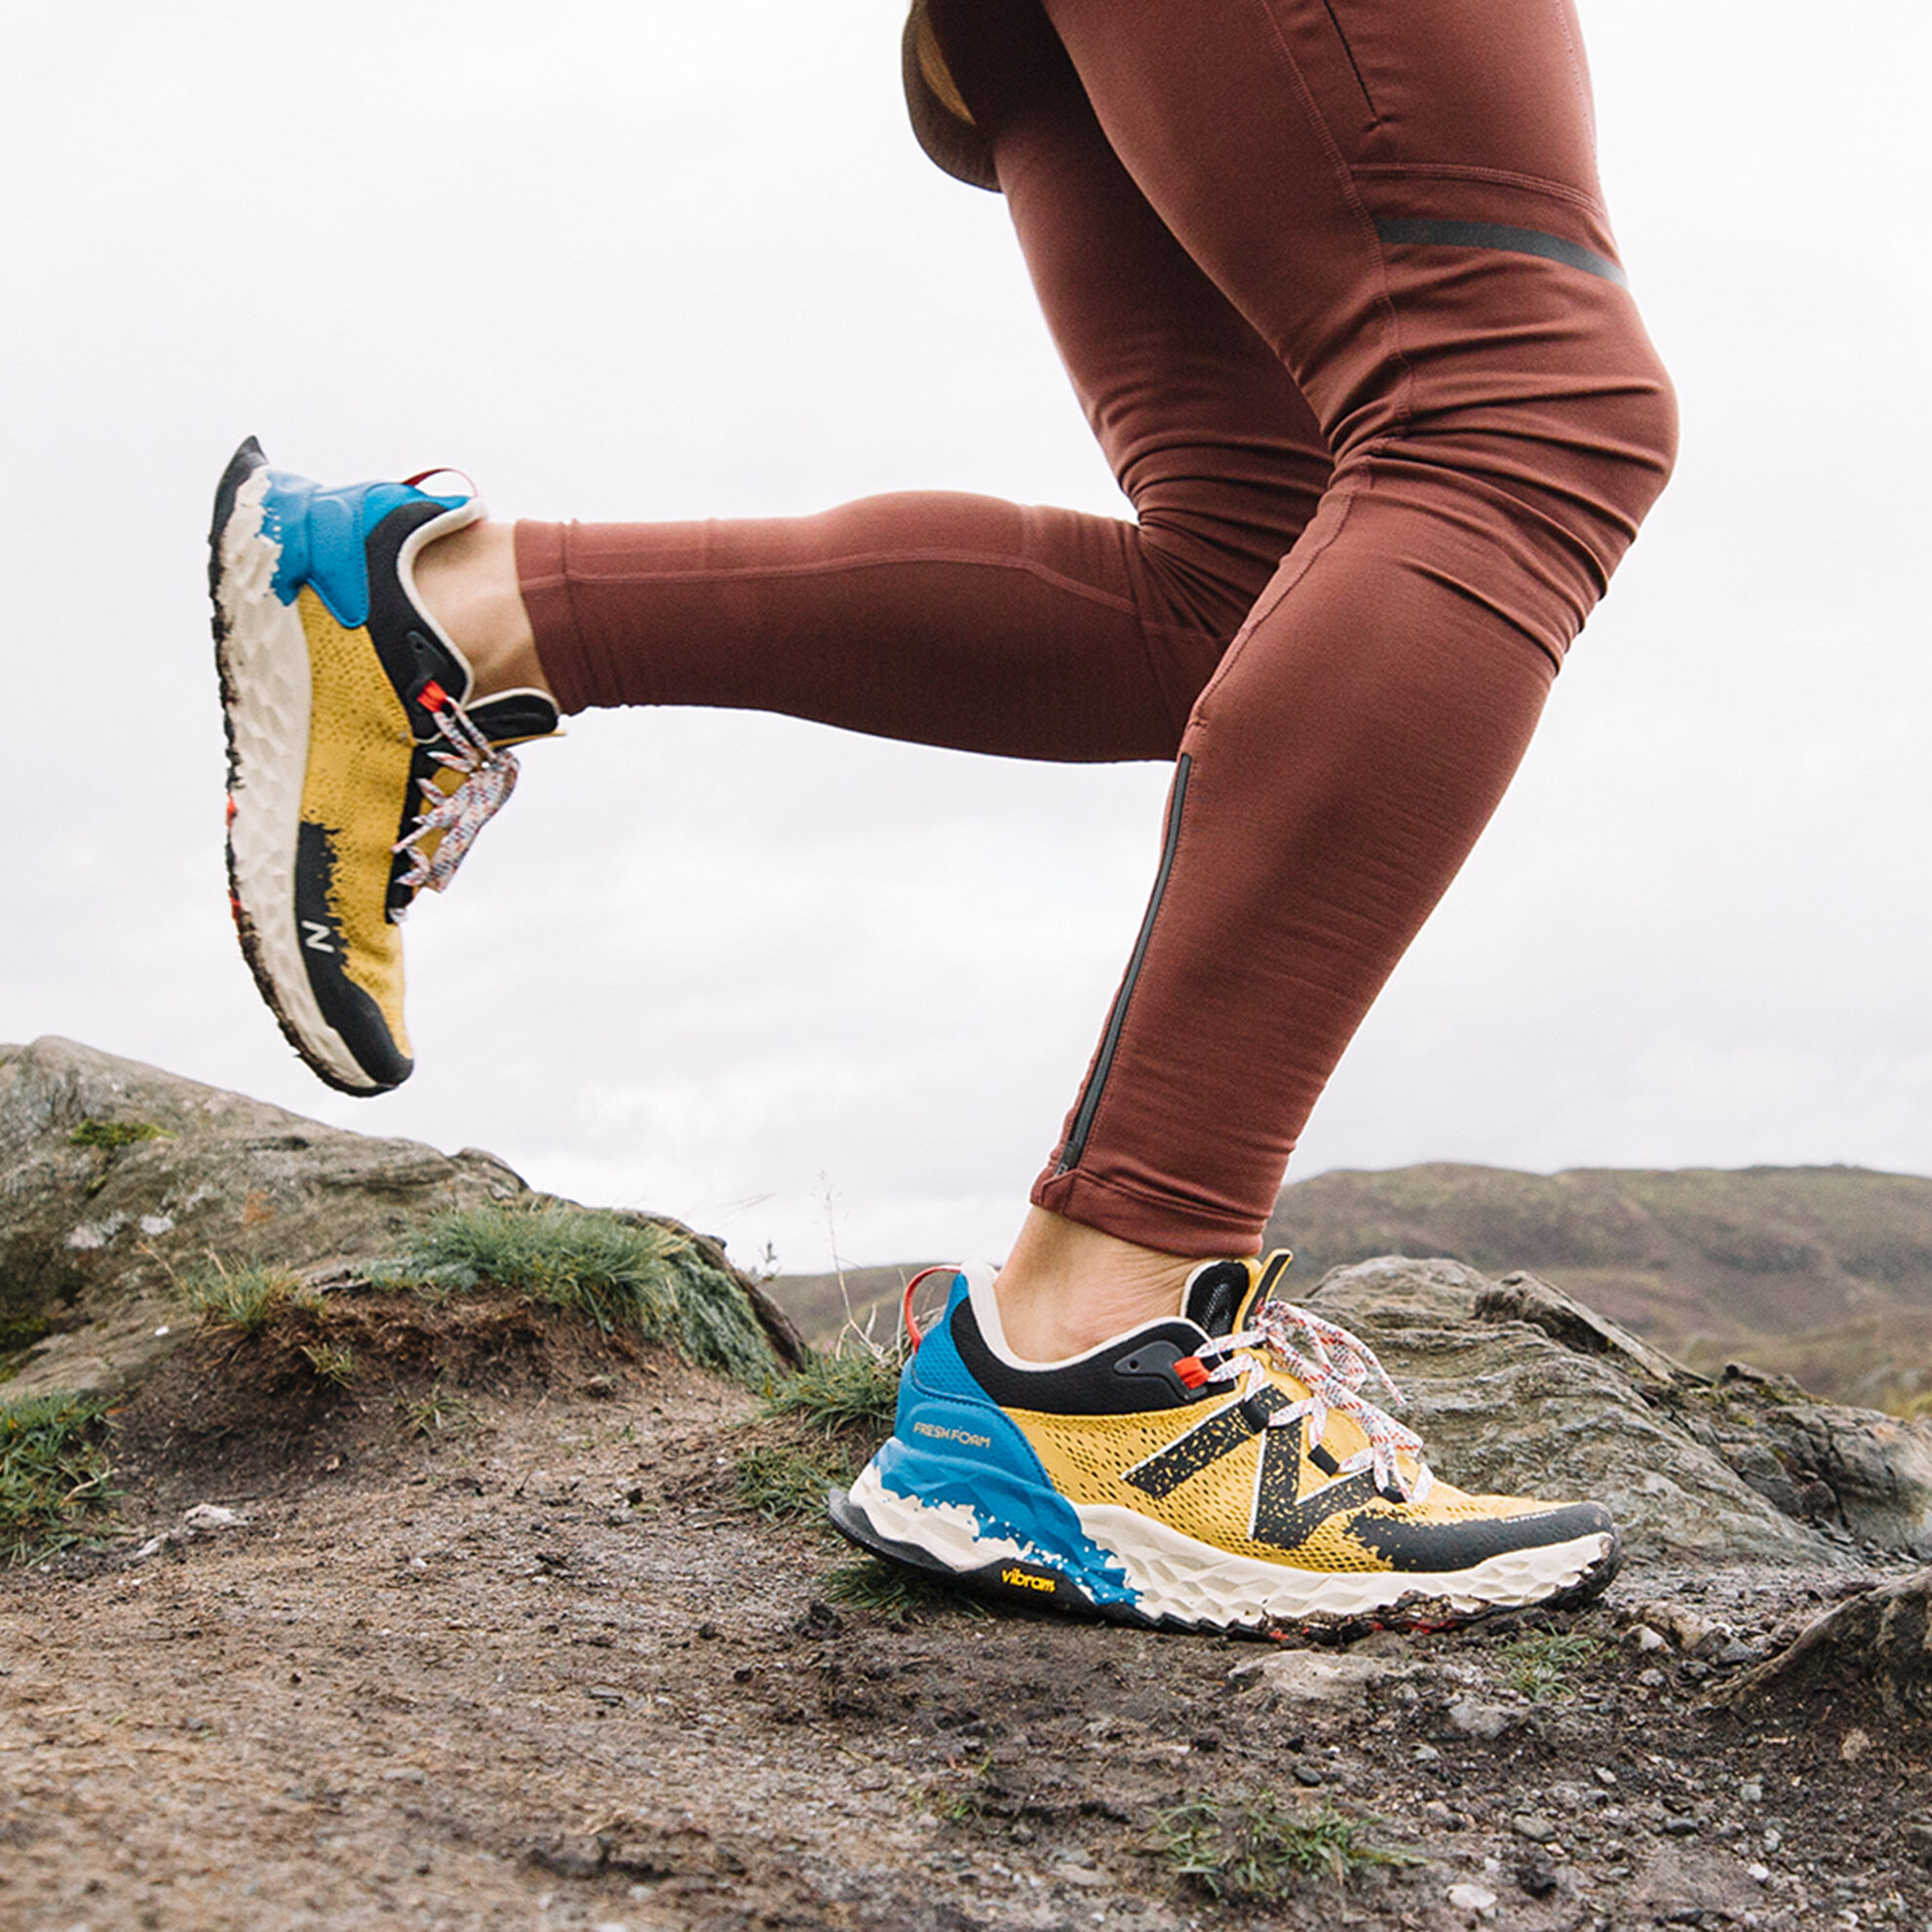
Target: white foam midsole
[265, 661]
[1175, 1576]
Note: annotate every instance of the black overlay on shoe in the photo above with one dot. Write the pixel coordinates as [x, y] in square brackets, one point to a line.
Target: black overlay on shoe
[344, 1005]
[1403, 1543]
[1101, 1384]
[1219, 1433]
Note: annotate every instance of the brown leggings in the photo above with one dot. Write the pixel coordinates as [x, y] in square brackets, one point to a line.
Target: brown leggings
[1336, 289]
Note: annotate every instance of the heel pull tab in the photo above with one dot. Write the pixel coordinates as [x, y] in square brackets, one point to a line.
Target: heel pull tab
[906, 1307]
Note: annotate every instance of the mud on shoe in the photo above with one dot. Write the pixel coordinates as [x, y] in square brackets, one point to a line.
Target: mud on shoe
[1223, 1469]
[358, 771]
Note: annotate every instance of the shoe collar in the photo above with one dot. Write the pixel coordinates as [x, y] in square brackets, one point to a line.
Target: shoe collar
[1218, 1298]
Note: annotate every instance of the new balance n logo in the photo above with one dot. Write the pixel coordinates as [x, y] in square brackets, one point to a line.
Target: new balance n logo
[1282, 1515]
[316, 935]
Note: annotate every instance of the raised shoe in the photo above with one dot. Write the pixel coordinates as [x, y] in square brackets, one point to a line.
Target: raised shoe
[359, 767]
[1221, 1469]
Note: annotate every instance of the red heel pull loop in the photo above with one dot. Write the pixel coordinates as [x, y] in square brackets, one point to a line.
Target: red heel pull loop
[906, 1307]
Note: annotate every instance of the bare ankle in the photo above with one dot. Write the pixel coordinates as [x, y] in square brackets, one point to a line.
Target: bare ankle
[1067, 1287]
[467, 581]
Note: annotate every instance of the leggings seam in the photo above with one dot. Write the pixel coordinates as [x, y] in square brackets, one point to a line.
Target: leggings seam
[1345, 178]
[1455, 170]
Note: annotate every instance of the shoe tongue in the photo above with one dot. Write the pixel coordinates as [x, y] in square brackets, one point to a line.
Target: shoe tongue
[1216, 1295]
[1221, 1296]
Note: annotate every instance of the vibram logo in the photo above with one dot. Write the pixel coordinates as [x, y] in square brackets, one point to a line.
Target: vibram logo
[317, 939]
[965, 1435]
[1026, 1580]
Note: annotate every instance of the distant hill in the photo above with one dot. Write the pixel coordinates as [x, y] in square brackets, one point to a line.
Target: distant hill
[1823, 1273]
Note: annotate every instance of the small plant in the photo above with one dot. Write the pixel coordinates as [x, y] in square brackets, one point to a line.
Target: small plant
[437, 1412]
[53, 1474]
[649, 1280]
[332, 1364]
[781, 1483]
[247, 1299]
[852, 1389]
[1538, 1665]
[1237, 1849]
[890, 1591]
[112, 1134]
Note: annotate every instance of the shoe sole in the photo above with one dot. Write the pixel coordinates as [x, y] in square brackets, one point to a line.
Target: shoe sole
[1181, 1584]
[263, 658]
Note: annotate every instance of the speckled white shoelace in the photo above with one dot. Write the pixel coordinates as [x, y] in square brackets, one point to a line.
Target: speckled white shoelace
[490, 777]
[1335, 1372]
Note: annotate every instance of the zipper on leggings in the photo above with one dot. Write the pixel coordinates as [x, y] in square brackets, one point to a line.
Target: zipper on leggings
[1090, 1101]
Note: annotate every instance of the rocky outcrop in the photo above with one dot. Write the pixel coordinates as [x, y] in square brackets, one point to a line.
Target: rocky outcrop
[1516, 1388]
[116, 1180]
[1877, 1645]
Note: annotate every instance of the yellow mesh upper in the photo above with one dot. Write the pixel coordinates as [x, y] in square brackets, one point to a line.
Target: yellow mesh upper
[360, 749]
[1088, 1457]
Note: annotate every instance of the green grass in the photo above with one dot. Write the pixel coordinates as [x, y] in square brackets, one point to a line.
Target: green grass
[110, 1134]
[851, 1390]
[245, 1300]
[782, 1484]
[332, 1363]
[53, 1474]
[890, 1589]
[647, 1281]
[1238, 1848]
[1538, 1665]
[437, 1412]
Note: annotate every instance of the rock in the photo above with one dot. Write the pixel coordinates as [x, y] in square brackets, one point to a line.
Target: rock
[1537, 1877]
[1521, 1297]
[1469, 1717]
[1854, 1469]
[1534, 1827]
[1505, 1405]
[1478, 1899]
[211, 1515]
[1312, 1677]
[1876, 1645]
[116, 1178]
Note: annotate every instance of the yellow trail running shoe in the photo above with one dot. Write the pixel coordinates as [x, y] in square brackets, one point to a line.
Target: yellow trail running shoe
[358, 771]
[1220, 1469]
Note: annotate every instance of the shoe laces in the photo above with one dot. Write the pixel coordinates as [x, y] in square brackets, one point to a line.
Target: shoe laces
[489, 776]
[1333, 1367]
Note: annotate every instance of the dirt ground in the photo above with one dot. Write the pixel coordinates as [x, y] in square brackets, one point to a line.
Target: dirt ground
[503, 1649]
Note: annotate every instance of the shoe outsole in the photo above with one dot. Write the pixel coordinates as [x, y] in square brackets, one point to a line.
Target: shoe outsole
[265, 697]
[1043, 1586]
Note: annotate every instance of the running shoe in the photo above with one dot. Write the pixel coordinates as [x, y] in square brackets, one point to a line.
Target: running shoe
[1220, 1470]
[358, 771]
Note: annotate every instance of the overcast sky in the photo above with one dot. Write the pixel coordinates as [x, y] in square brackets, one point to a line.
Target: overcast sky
[642, 259]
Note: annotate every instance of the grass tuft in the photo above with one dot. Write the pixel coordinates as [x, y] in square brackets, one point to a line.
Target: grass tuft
[245, 1300]
[112, 1133]
[1538, 1665]
[1237, 1849]
[851, 1390]
[439, 1412]
[782, 1484]
[53, 1474]
[332, 1363]
[649, 1280]
[892, 1590]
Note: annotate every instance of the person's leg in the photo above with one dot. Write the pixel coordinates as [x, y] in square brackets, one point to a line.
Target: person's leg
[961, 620]
[1409, 217]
